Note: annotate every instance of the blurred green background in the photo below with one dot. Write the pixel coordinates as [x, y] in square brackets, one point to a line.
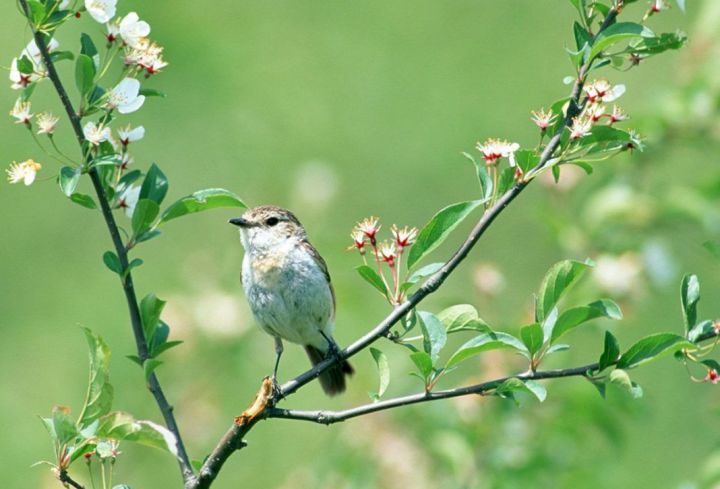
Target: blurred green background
[339, 110]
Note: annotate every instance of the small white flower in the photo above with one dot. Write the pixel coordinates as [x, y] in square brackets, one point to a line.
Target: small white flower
[113, 30]
[46, 123]
[20, 80]
[156, 64]
[21, 111]
[133, 30]
[25, 171]
[494, 149]
[33, 52]
[601, 91]
[618, 115]
[129, 199]
[581, 127]
[543, 119]
[125, 96]
[95, 134]
[101, 10]
[127, 134]
[64, 5]
[595, 112]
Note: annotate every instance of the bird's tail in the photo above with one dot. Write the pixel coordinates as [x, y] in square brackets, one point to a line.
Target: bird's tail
[332, 380]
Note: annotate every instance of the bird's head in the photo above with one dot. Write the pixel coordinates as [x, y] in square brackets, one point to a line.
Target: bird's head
[266, 227]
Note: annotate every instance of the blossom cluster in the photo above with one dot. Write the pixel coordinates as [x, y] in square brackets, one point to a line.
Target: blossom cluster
[386, 253]
[127, 36]
[597, 93]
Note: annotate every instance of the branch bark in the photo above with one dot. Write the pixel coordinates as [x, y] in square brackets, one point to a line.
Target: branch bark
[127, 283]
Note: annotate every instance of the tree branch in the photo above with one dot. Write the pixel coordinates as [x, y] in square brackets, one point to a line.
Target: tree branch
[120, 250]
[233, 437]
[331, 417]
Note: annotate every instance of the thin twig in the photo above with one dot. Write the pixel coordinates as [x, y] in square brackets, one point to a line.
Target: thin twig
[233, 436]
[127, 283]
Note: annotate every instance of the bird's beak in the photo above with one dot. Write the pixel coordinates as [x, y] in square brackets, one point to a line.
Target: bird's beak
[239, 221]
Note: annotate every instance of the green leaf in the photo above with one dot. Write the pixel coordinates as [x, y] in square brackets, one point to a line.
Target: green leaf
[532, 337]
[424, 272]
[165, 347]
[151, 92]
[24, 65]
[701, 329]
[87, 47]
[68, 179]
[61, 56]
[439, 228]
[373, 278]
[155, 185]
[621, 379]
[578, 315]
[557, 281]
[149, 367]
[611, 351]
[526, 160]
[689, 297]
[144, 215]
[511, 387]
[486, 183]
[582, 37]
[605, 138]
[651, 347]
[650, 46]
[98, 399]
[37, 12]
[485, 342]
[506, 180]
[150, 309]
[423, 362]
[201, 200]
[122, 426]
[136, 262]
[84, 74]
[63, 425]
[557, 348]
[434, 335]
[83, 200]
[621, 31]
[383, 370]
[112, 261]
[462, 317]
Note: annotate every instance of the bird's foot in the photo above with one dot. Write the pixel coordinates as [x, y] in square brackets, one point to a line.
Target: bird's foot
[277, 394]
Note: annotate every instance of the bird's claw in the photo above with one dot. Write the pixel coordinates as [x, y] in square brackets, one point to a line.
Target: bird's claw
[277, 394]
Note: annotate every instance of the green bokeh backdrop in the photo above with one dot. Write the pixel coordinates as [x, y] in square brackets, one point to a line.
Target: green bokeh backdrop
[340, 110]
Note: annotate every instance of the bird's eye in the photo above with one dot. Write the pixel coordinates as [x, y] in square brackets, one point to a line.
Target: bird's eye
[271, 221]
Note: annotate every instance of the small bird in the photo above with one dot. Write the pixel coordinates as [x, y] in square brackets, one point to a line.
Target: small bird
[287, 284]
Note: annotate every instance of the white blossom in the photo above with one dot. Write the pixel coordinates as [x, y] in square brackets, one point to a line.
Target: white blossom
[95, 134]
[125, 96]
[128, 134]
[21, 111]
[25, 171]
[494, 149]
[601, 91]
[129, 199]
[20, 80]
[133, 30]
[46, 123]
[581, 127]
[101, 10]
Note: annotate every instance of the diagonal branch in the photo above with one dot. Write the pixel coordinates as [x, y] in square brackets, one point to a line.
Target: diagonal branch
[120, 250]
[220, 454]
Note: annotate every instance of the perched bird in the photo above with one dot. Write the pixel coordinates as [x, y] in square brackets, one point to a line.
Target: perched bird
[287, 284]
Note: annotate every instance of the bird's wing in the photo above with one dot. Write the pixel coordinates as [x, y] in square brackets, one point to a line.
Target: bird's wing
[323, 266]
